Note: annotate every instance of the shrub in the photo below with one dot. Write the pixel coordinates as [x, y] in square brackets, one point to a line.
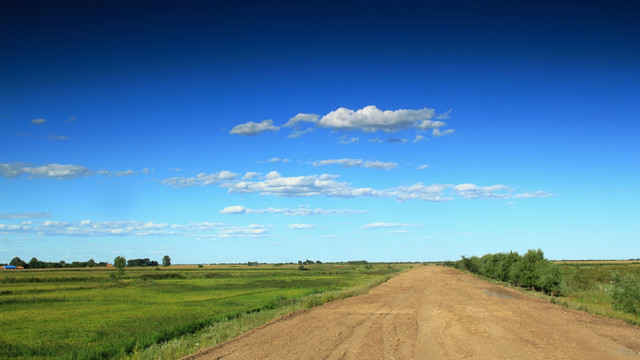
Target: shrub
[625, 293]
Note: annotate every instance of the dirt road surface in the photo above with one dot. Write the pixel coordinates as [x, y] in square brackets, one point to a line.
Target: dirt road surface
[435, 313]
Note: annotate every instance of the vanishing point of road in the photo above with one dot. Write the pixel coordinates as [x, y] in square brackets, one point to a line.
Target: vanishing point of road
[433, 312]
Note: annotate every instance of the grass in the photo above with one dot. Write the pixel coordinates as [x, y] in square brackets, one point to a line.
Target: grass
[229, 328]
[85, 314]
[586, 287]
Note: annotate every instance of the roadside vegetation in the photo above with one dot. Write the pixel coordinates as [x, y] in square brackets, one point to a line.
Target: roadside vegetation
[530, 271]
[145, 312]
[609, 289]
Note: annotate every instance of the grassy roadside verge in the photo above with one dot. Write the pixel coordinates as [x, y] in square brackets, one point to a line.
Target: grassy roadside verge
[230, 328]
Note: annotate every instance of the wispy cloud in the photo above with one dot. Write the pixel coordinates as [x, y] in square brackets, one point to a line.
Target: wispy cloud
[357, 163]
[274, 184]
[251, 128]
[419, 138]
[438, 133]
[344, 140]
[300, 118]
[251, 231]
[422, 167]
[58, 137]
[25, 215]
[38, 121]
[90, 228]
[301, 226]
[378, 225]
[201, 179]
[301, 211]
[276, 159]
[54, 171]
[312, 185]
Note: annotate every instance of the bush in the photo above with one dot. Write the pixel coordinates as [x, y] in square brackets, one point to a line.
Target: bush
[625, 293]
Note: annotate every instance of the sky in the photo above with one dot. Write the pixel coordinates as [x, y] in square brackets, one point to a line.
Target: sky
[218, 132]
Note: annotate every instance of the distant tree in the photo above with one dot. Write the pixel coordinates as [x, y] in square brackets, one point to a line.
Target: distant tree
[91, 263]
[120, 262]
[166, 260]
[16, 261]
[34, 263]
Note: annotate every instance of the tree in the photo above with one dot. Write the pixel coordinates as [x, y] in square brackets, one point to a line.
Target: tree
[16, 261]
[91, 263]
[34, 263]
[120, 262]
[166, 260]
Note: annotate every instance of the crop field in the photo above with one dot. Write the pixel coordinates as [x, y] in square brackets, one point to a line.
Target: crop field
[89, 313]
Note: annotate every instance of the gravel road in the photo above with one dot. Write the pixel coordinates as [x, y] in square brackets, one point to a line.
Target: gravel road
[433, 312]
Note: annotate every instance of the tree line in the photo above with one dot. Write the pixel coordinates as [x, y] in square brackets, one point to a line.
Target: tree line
[34, 263]
[530, 270]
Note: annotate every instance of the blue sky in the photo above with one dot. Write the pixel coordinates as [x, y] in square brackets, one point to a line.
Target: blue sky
[328, 131]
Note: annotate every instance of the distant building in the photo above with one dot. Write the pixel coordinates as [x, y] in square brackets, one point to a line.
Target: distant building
[8, 267]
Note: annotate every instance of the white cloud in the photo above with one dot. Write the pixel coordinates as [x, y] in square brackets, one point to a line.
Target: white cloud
[201, 179]
[250, 175]
[251, 128]
[294, 121]
[251, 231]
[38, 121]
[378, 225]
[376, 140]
[357, 163]
[54, 171]
[419, 138]
[397, 140]
[276, 159]
[396, 232]
[301, 211]
[90, 228]
[301, 226]
[445, 115]
[422, 167]
[420, 191]
[124, 173]
[535, 194]
[371, 119]
[438, 133]
[346, 140]
[472, 191]
[234, 210]
[430, 124]
[25, 215]
[297, 133]
[312, 185]
[58, 137]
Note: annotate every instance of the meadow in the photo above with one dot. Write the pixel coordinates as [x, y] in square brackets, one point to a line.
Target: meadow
[587, 286]
[92, 314]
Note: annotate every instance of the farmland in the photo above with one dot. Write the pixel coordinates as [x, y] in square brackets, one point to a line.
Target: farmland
[90, 313]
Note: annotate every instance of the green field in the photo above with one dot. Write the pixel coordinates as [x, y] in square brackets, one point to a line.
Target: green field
[587, 285]
[88, 314]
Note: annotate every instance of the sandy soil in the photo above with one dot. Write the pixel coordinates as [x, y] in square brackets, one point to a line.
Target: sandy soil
[435, 313]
